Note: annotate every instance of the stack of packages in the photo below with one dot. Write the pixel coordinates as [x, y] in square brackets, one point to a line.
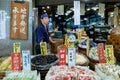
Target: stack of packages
[71, 73]
[24, 75]
[108, 71]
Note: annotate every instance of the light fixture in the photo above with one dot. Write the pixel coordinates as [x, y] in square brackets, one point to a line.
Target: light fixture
[43, 7]
[44, 11]
[48, 7]
[88, 9]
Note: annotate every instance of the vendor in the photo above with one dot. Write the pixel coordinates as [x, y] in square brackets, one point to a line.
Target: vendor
[41, 32]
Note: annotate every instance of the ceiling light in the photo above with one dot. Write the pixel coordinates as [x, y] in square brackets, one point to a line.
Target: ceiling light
[48, 7]
[94, 8]
[43, 7]
[88, 9]
[44, 11]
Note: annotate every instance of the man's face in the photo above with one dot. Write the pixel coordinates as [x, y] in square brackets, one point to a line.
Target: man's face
[45, 20]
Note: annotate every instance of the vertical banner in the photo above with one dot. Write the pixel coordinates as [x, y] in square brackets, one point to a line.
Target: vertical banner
[71, 56]
[2, 24]
[82, 9]
[26, 60]
[101, 9]
[62, 55]
[76, 12]
[16, 47]
[19, 20]
[16, 62]
[101, 53]
[60, 9]
[109, 54]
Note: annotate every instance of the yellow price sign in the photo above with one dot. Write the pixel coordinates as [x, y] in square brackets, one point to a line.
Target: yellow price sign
[66, 40]
[71, 44]
[79, 36]
[16, 47]
[43, 48]
[109, 54]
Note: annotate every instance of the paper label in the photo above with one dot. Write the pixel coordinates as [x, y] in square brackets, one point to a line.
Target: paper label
[16, 47]
[43, 48]
[16, 62]
[26, 60]
[101, 53]
[71, 44]
[62, 56]
[88, 45]
[109, 54]
[71, 57]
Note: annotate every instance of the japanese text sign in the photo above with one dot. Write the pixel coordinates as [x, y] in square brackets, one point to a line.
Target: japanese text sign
[62, 55]
[26, 60]
[101, 53]
[16, 61]
[71, 57]
[43, 48]
[109, 54]
[19, 20]
[16, 47]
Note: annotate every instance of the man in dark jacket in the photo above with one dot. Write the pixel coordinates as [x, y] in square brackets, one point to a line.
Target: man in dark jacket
[41, 32]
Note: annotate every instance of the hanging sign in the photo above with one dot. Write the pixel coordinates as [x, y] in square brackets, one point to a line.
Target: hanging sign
[101, 9]
[60, 9]
[71, 57]
[43, 48]
[19, 20]
[2, 24]
[16, 47]
[101, 53]
[76, 12]
[62, 55]
[26, 60]
[16, 62]
[109, 54]
[82, 9]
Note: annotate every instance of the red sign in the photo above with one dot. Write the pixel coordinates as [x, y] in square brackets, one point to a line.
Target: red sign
[62, 56]
[101, 53]
[16, 62]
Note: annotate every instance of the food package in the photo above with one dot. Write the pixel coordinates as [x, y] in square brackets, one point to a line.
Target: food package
[108, 71]
[27, 75]
[5, 65]
[80, 59]
[94, 53]
[71, 73]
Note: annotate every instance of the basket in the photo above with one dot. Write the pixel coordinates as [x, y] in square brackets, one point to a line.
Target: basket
[42, 69]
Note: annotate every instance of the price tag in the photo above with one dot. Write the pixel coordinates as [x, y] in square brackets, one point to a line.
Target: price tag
[71, 57]
[79, 36]
[88, 45]
[101, 53]
[71, 44]
[43, 48]
[109, 54]
[16, 62]
[62, 56]
[66, 40]
[16, 47]
[26, 60]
